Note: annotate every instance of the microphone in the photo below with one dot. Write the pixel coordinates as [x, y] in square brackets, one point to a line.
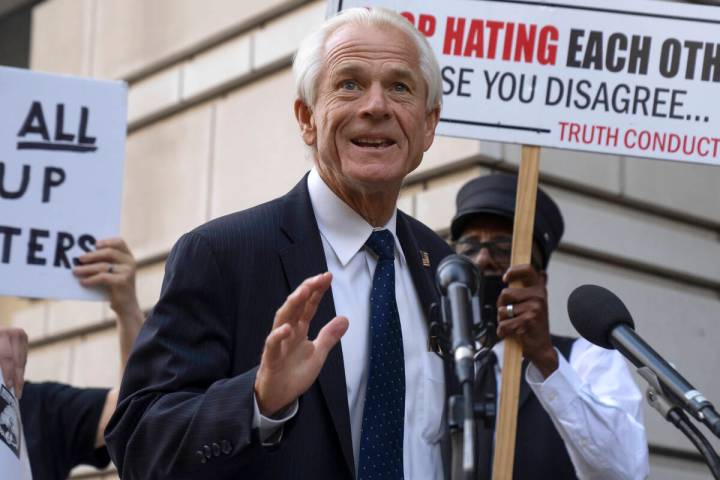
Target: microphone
[602, 318]
[458, 280]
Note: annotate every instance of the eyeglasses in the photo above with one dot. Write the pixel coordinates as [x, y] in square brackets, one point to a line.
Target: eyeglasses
[499, 248]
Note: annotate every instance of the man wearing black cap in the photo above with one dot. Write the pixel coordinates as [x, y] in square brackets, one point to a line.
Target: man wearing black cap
[579, 410]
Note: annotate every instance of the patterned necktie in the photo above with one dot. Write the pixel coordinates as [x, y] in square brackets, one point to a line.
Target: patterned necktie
[381, 439]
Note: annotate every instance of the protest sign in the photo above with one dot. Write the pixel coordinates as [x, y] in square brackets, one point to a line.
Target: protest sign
[61, 166]
[14, 461]
[627, 78]
[637, 78]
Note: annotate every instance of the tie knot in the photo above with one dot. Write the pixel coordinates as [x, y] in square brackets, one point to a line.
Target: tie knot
[382, 243]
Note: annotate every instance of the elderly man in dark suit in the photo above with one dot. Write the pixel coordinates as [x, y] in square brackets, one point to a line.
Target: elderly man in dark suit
[289, 340]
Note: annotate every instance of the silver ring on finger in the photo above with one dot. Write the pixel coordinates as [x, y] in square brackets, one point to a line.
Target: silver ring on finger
[111, 268]
[509, 310]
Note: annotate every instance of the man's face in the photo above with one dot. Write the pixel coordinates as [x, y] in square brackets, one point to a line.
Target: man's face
[487, 241]
[369, 124]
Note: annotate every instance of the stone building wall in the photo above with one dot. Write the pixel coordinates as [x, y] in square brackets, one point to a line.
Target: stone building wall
[211, 131]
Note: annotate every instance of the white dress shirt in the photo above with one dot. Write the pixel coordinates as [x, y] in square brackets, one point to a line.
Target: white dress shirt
[343, 234]
[596, 407]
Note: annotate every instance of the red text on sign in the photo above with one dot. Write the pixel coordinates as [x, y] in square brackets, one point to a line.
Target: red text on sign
[643, 141]
[509, 41]
[425, 23]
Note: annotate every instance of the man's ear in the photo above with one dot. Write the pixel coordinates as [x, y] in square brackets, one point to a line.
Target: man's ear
[306, 121]
[431, 121]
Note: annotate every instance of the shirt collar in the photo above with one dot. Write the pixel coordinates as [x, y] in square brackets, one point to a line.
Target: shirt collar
[343, 228]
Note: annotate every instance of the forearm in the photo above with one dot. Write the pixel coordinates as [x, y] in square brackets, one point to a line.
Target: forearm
[128, 327]
[605, 438]
[107, 411]
[166, 433]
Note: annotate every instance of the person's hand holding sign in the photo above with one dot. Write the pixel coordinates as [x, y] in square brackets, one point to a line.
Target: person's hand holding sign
[13, 357]
[113, 266]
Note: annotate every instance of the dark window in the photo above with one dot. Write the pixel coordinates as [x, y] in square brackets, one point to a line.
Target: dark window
[15, 24]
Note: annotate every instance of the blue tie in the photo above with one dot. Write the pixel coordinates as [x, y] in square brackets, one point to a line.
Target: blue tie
[381, 439]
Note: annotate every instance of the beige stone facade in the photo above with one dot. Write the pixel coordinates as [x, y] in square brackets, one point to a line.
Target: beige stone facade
[211, 131]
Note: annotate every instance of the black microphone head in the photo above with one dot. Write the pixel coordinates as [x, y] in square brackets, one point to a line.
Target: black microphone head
[457, 268]
[595, 311]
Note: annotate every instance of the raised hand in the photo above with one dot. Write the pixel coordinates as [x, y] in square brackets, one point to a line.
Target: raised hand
[290, 361]
[113, 266]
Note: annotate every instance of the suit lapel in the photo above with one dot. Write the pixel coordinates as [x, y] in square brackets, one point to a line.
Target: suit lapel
[303, 258]
[418, 261]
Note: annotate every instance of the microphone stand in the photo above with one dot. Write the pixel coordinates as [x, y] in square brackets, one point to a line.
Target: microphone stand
[462, 411]
[462, 432]
[674, 414]
[457, 280]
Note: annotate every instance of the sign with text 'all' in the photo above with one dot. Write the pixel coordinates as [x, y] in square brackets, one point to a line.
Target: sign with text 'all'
[61, 166]
[638, 78]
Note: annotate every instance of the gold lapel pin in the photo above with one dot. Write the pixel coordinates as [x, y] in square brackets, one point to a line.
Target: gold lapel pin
[425, 258]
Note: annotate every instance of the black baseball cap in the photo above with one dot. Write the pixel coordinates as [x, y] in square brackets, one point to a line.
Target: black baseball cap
[494, 194]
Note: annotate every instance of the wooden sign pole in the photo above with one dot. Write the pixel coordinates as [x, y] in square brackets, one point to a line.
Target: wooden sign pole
[506, 425]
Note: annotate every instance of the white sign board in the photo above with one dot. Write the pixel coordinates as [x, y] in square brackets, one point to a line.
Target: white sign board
[61, 165]
[14, 461]
[639, 78]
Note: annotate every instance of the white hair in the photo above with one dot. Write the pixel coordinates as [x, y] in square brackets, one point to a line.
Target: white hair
[310, 55]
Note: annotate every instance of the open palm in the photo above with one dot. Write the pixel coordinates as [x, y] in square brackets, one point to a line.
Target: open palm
[290, 361]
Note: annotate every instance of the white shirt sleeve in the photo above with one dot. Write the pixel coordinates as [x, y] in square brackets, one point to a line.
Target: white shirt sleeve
[270, 429]
[597, 409]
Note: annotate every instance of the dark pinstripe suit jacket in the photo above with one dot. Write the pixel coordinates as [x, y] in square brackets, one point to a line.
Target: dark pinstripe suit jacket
[186, 401]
